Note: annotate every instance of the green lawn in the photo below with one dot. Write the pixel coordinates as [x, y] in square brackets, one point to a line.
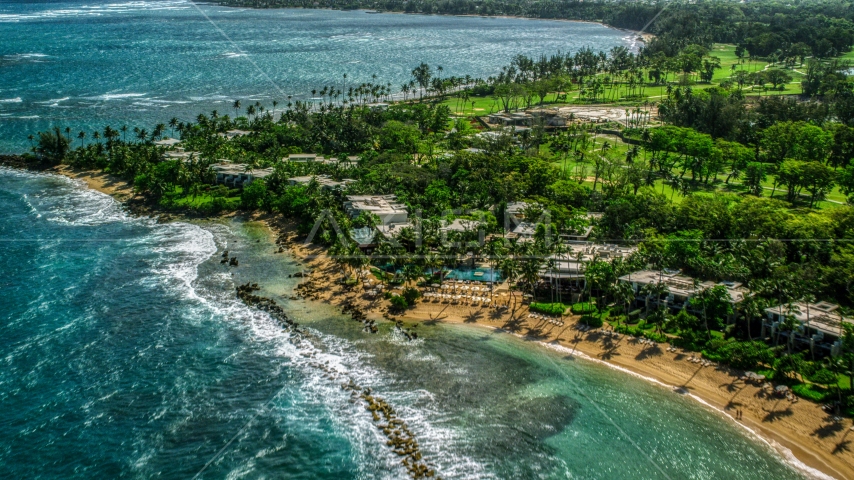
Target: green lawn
[834, 199]
[617, 94]
[202, 202]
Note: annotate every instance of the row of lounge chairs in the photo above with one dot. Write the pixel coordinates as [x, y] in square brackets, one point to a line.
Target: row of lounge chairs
[701, 362]
[445, 297]
[553, 320]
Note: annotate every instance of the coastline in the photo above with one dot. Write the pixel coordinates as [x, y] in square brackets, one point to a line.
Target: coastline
[645, 36]
[800, 432]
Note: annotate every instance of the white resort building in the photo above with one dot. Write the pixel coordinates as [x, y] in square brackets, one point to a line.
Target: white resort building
[325, 181]
[680, 289]
[820, 324]
[392, 214]
[236, 175]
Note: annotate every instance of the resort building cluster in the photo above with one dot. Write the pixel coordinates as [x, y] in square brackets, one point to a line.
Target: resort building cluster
[819, 325]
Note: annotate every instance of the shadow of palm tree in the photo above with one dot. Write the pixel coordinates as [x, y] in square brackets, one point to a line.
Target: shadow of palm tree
[651, 351]
[843, 446]
[732, 387]
[775, 414]
[828, 430]
[513, 324]
[685, 384]
[609, 353]
[535, 334]
[473, 316]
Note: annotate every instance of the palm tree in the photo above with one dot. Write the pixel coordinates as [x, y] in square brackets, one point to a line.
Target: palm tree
[624, 293]
[81, 136]
[789, 324]
[656, 290]
[751, 308]
[172, 124]
[434, 262]
[703, 296]
[411, 272]
[510, 271]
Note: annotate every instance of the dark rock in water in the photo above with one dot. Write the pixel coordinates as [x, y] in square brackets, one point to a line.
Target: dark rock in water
[298, 275]
[233, 261]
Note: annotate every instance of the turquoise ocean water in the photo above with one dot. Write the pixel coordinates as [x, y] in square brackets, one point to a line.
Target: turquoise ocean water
[124, 353]
[87, 64]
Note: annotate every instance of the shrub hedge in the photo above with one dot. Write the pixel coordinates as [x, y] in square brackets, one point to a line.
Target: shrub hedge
[592, 320]
[582, 308]
[811, 392]
[548, 308]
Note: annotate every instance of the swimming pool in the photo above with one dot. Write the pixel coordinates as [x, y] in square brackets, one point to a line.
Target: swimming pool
[476, 274]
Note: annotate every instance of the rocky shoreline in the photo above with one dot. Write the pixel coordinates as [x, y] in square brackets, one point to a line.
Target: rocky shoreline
[400, 438]
[794, 435]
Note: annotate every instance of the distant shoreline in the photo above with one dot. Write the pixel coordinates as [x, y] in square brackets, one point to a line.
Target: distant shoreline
[644, 36]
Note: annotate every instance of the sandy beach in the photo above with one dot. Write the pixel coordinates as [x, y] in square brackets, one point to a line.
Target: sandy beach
[802, 432]
[100, 181]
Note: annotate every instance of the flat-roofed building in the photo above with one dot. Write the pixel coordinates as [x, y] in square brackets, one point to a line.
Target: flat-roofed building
[680, 288]
[325, 181]
[305, 157]
[236, 175]
[167, 142]
[511, 119]
[234, 133]
[571, 264]
[461, 225]
[386, 207]
[180, 154]
[516, 210]
[820, 324]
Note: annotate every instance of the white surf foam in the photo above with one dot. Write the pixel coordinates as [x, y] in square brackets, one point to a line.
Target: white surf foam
[115, 96]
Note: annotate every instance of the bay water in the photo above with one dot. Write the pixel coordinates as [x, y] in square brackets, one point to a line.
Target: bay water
[125, 353]
[85, 64]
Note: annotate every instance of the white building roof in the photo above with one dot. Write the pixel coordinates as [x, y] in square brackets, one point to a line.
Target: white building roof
[683, 285]
[462, 225]
[167, 142]
[325, 181]
[305, 157]
[822, 316]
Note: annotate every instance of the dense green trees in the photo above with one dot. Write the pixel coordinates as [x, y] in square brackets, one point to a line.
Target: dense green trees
[52, 146]
[722, 156]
